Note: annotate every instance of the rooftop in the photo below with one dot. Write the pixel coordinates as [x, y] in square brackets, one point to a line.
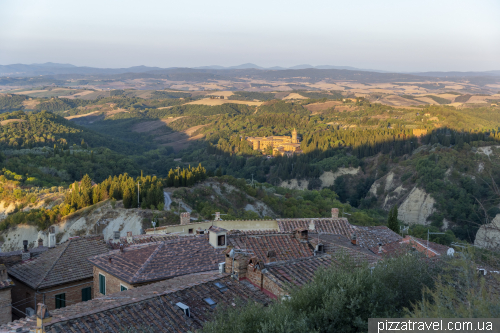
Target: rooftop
[339, 244]
[285, 245]
[64, 263]
[402, 245]
[151, 306]
[161, 260]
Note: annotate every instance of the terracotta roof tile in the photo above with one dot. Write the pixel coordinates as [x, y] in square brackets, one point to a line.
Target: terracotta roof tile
[65, 263]
[160, 312]
[286, 246]
[161, 260]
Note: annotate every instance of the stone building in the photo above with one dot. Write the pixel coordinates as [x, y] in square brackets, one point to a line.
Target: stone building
[181, 304]
[6, 286]
[281, 145]
[138, 265]
[58, 277]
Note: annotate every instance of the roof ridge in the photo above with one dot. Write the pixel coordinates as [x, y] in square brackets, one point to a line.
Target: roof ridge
[143, 267]
[55, 262]
[425, 246]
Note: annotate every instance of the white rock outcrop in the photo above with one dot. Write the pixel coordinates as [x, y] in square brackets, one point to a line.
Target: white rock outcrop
[488, 235]
[328, 177]
[417, 207]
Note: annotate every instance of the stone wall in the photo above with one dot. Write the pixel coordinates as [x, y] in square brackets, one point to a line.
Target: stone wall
[113, 284]
[5, 306]
[23, 296]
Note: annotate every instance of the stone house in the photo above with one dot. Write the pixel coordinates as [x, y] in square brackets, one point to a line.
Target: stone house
[137, 265]
[6, 285]
[410, 243]
[180, 304]
[58, 277]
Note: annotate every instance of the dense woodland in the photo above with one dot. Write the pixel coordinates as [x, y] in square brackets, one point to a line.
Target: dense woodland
[44, 149]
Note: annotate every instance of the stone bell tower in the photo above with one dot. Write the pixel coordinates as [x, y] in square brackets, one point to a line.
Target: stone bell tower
[294, 136]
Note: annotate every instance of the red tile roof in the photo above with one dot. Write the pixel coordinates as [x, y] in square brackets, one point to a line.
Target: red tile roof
[161, 260]
[367, 237]
[409, 242]
[65, 263]
[286, 246]
[296, 272]
[341, 245]
[152, 306]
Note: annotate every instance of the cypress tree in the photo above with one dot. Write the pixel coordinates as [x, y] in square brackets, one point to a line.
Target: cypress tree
[392, 220]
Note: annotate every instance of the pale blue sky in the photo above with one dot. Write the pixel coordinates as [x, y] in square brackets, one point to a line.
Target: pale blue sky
[398, 35]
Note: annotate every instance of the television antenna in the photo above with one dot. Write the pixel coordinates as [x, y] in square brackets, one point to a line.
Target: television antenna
[344, 212]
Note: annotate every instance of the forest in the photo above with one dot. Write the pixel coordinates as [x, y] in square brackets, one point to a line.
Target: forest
[45, 149]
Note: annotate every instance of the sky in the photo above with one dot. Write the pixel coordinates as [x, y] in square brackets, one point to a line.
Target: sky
[392, 35]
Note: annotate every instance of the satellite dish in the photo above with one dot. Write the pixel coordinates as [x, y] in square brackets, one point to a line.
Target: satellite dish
[450, 251]
[231, 253]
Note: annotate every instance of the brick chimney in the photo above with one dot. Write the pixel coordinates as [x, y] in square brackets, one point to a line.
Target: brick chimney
[40, 242]
[25, 255]
[335, 213]
[185, 218]
[301, 234]
[353, 239]
[43, 317]
[270, 256]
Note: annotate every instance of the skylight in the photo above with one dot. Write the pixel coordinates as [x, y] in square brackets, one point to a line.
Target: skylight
[222, 287]
[210, 302]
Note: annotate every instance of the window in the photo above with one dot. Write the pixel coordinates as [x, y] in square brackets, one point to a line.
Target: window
[60, 301]
[221, 240]
[123, 288]
[102, 284]
[222, 288]
[86, 294]
[210, 302]
[190, 231]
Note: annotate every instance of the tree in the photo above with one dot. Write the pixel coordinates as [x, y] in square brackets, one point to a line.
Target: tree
[392, 220]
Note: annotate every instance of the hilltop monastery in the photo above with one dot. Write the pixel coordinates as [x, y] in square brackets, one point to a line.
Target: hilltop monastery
[282, 145]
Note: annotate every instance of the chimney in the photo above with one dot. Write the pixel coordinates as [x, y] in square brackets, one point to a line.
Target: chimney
[121, 248]
[185, 218]
[25, 255]
[130, 239]
[301, 234]
[380, 250]
[353, 239]
[217, 237]
[116, 237]
[312, 225]
[43, 317]
[25, 245]
[52, 236]
[335, 213]
[110, 260]
[40, 242]
[271, 256]
[217, 216]
[3, 273]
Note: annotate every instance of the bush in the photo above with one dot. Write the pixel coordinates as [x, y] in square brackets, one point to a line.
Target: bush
[339, 299]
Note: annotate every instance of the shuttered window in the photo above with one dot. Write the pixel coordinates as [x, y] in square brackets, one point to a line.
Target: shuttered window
[60, 301]
[102, 284]
[123, 288]
[86, 294]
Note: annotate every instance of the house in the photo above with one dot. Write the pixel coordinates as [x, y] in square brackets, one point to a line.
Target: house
[15, 257]
[181, 304]
[6, 285]
[138, 265]
[275, 276]
[57, 277]
[410, 243]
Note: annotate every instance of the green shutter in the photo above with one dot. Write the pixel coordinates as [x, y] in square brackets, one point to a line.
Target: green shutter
[123, 288]
[102, 284]
[60, 301]
[86, 294]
